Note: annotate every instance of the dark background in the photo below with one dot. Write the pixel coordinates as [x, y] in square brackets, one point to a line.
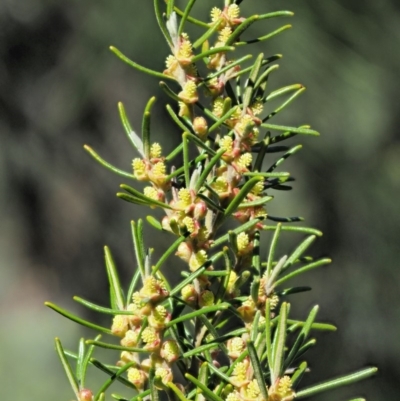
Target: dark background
[59, 86]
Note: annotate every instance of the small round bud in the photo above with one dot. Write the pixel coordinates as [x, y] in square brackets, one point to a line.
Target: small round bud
[85, 395]
[137, 377]
[200, 210]
[170, 351]
[206, 298]
[200, 127]
[120, 325]
[184, 251]
[189, 293]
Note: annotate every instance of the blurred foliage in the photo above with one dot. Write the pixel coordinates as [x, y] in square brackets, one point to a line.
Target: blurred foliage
[59, 89]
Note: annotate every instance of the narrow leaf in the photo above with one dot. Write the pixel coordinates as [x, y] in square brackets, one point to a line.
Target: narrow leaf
[132, 136]
[237, 200]
[278, 346]
[298, 374]
[77, 319]
[210, 52]
[116, 296]
[146, 127]
[305, 131]
[202, 311]
[67, 367]
[108, 165]
[138, 66]
[331, 384]
[112, 379]
[258, 373]
[210, 396]
[304, 269]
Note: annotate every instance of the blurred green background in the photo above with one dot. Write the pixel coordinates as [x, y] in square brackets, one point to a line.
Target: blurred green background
[59, 89]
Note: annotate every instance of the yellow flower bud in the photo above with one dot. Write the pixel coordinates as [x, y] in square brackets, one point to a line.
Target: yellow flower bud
[155, 150]
[197, 260]
[200, 127]
[170, 351]
[206, 298]
[85, 395]
[137, 377]
[120, 325]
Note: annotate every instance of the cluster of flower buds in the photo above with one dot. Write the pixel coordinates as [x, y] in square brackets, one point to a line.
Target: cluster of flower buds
[153, 170]
[145, 328]
[245, 386]
[188, 210]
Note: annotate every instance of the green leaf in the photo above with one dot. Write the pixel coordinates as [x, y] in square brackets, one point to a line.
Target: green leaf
[298, 374]
[146, 127]
[132, 136]
[167, 253]
[180, 124]
[101, 344]
[210, 396]
[108, 165]
[85, 362]
[206, 35]
[138, 66]
[170, 7]
[222, 119]
[284, 157]
[191, 19]
[282, 91]
[255, 286]
[304, 230]
[132, 286]
[257, 202]
[154, 222]
[141, 197]
[331, 384]
[178, 392]
[265, 37]
[197, 313]
[161, 24]
[168, 91]
[304, 269]
[285, 103]
[237, 200]
[138, 245]
[301, 338]
[251, 81]
[207, 169]
[244, 227]
[315, 326]
[112, 379]
[77, 319]
[203, 378]
[229, 66]
[210, 52]
[185, 15]
[101, 309]
[67, 367]
[304, 131]
[199, 350]
[153, 389]
[111, 372]
[299, 251]
[278, 346]
[267, 332]
[79, 361]
[187, 281]
[272, 248]
[241, 28]
[116, 296]
[258, 373]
